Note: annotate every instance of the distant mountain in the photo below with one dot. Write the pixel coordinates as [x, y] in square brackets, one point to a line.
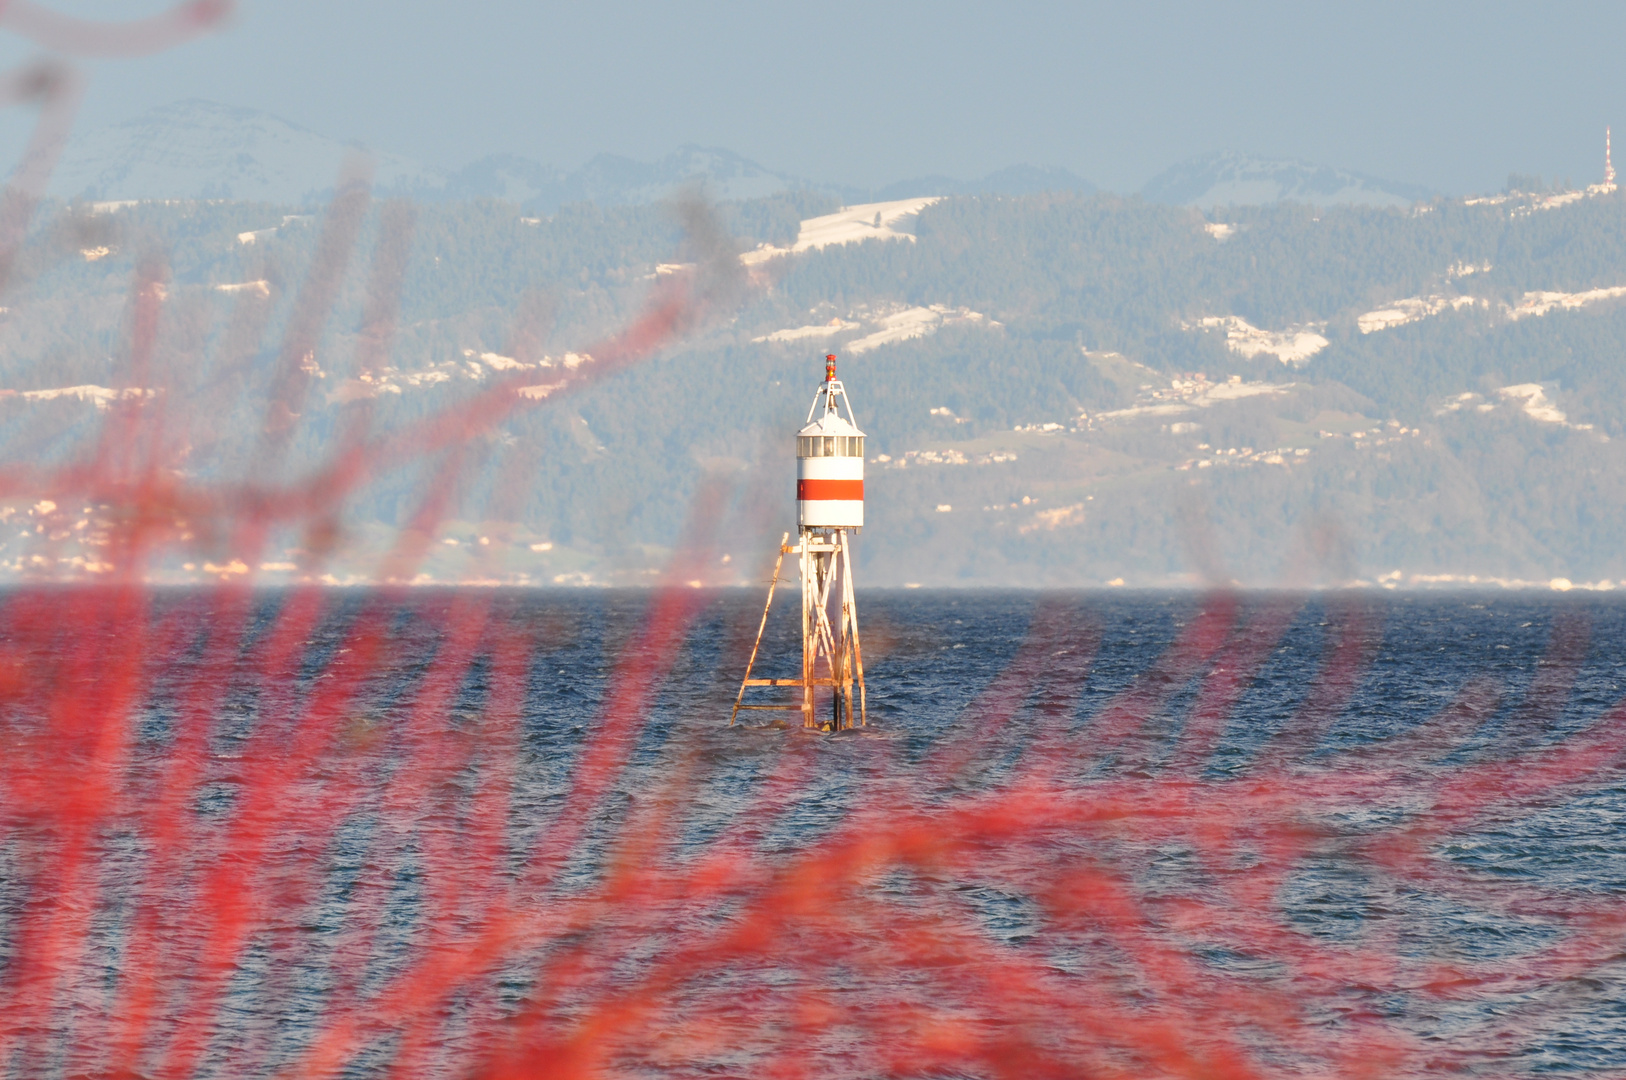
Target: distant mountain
[1057, 391]
[502, 176]
[201, 149]
[1229, 178]
[722, 175]
[610, 179]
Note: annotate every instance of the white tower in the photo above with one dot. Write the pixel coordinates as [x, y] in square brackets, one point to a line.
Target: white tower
[829, 505]
[1608, 166]
[830, 461]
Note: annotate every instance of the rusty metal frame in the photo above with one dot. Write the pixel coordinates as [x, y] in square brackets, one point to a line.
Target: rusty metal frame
[763, 625]
[822, 558]
[849, 622]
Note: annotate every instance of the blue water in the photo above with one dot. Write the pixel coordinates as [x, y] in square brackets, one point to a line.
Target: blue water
[1525, 674]
[1429, 687]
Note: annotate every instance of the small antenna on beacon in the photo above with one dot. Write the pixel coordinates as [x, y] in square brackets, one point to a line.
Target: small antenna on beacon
[1608, 165]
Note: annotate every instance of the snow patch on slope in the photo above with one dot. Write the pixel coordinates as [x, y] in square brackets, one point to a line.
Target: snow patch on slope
[886, 326]
[1294, 345]
[1540, 303]
[1531, 305]
[1528, 398]
[1534, 403]
[260, 287]
[473, 368]
[1522, 203]
[849, 225]
[1411, 309]
[102, 397]
[1186, 395]
[916, 322]
[803, 333]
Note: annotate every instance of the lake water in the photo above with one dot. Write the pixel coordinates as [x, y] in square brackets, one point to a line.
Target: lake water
[505, 833]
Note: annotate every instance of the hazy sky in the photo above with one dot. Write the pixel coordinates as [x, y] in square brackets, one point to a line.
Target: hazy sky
[1449, 95]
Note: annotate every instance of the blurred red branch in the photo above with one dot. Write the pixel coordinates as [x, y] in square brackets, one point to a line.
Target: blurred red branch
[225, 795]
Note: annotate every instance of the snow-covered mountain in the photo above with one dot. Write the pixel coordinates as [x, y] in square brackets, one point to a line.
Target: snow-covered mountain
[200, 149]
[1228, 178]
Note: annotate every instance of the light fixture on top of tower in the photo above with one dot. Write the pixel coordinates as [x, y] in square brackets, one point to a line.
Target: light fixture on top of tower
[830, 461]
[829, 506]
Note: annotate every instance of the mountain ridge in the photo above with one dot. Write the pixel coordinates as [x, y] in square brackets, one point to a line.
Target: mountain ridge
[1234, 178]
[202, 149]
[1058, 391]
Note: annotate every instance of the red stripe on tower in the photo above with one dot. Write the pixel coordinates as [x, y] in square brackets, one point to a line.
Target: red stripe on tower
[842, 490]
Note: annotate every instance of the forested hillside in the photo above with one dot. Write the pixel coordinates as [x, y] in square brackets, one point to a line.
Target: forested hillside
[1059, 389]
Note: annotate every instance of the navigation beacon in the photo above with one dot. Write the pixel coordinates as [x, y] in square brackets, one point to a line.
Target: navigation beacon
[829, 506]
